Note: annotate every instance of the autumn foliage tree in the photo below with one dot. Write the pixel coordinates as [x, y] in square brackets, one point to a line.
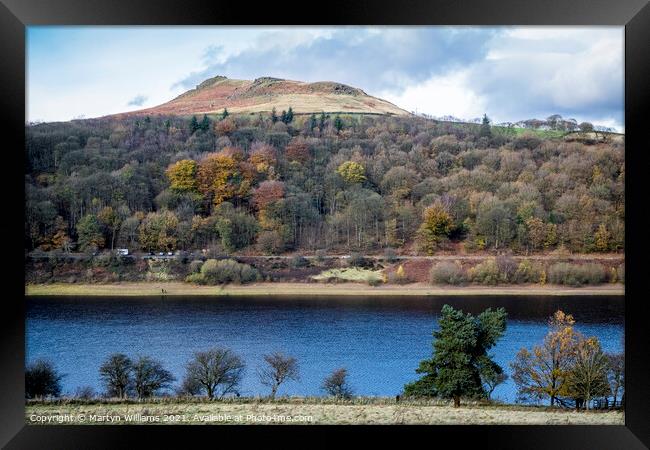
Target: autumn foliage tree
[588, 377]
[267, 192]
[352, 172]
[297, 150]
[544, 371]
[224, 175]
[263, 158]
[158, 231]
[435, 227]
[182, 175]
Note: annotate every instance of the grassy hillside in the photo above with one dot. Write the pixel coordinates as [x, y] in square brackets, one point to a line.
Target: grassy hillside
[264, 94]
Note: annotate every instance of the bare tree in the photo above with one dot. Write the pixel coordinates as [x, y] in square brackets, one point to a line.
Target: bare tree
[116, 374]
[149, 376]
[616, 374]
[42, 380]
[492, 380]
[279, 368]
[218, 371]
[336, 384]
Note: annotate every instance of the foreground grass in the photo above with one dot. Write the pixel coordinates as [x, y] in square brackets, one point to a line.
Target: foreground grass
[339, 289]
[305, 411]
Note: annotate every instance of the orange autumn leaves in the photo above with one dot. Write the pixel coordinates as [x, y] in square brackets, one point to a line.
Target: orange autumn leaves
[228, 176]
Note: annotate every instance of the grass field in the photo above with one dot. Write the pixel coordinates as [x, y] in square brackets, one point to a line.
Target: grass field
[301, 411]
[336, 289]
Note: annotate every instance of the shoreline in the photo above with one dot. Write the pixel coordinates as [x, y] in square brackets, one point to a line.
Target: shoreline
[126, 289]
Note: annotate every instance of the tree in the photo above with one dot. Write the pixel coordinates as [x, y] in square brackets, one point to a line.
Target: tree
[42, 380]
[586, 127]
[338, 123]
[182, 175]
[460, 357]
[491, 379]
[321, 121]
[89, 231]
[116, 374]
[588, 376]
[236, 228]
[297, 150]
[616, 374]
[336, 384]
[554, 121]
[218, 371]
[224, 176]
[289, 116]
[225, 113]
[158, 231]
[602, 238]
[111, 221]
[194, 125]
[279, 368]
[274, 115]
[149, 377]
[494, 221]
[267, 192]
[486, 130]
[312, 122]
[352, 172]
[283, 116]
[205, 123]
[436, 226]
[544, 371]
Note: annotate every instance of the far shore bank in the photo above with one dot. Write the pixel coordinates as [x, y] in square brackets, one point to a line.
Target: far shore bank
[315, 289]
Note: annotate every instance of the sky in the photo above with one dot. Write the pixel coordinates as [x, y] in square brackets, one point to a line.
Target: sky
[508, 73]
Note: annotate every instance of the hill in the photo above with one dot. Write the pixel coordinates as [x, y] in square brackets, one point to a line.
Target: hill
[264, 94]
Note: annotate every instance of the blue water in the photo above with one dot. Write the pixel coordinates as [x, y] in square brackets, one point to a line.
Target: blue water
[380, 340]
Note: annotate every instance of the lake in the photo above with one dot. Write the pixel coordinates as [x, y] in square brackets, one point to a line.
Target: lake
[380, 340]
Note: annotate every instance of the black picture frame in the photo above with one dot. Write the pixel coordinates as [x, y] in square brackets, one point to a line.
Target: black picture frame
[15, 15]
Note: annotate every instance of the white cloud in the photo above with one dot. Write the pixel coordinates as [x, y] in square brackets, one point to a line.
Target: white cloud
[448, 94]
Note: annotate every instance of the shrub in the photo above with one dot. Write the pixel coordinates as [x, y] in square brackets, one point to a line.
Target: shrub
[390, 255]
[270, 242]
[227, 271]
[621, 273]
[576, 274]
[528, 272]
[298, 261]
[85, 393]
[320, 255]
[447, 273]
[195, 266]
[195, 278]
[486, 272]
[399, 276]
[507, 268]
[357, 260]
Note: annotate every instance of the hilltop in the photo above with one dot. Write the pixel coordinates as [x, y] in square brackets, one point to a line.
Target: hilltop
[264, 94]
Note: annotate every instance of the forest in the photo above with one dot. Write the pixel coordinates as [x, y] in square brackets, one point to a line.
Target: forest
[336, 183]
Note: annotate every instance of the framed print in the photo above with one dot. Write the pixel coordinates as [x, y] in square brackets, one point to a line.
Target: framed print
[411, 217]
